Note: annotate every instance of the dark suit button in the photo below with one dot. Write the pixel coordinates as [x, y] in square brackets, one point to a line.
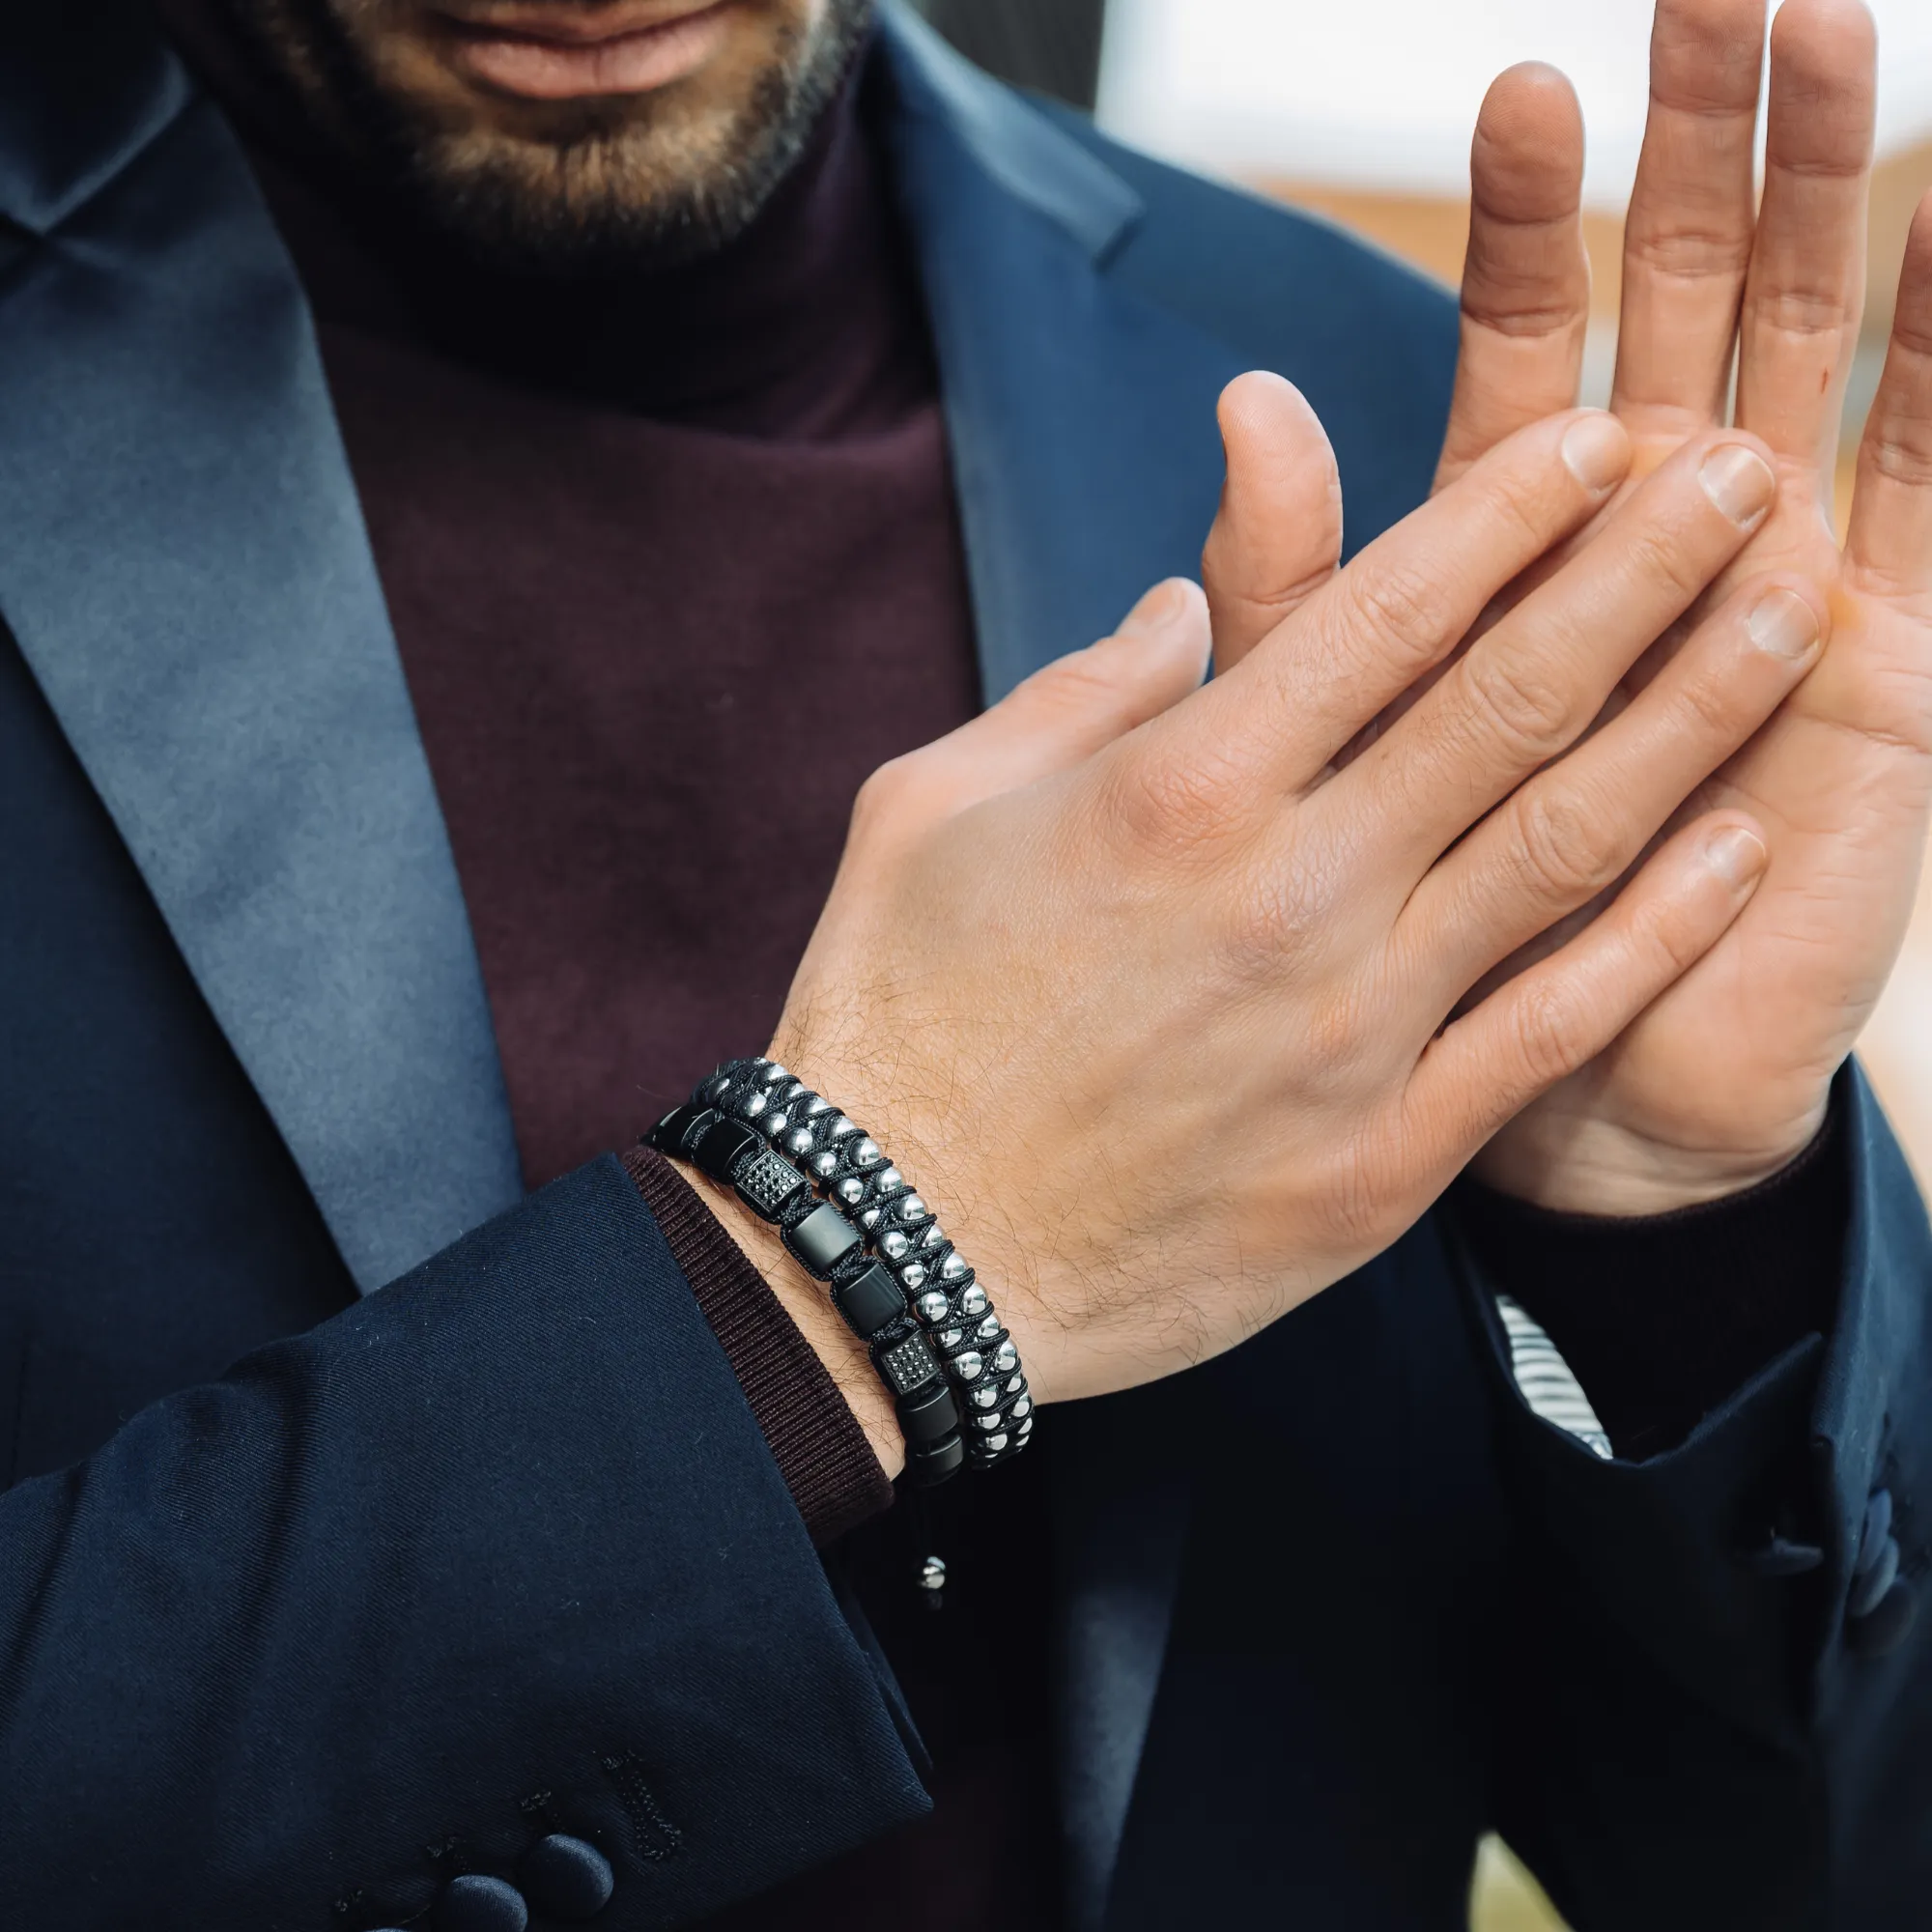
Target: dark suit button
[1882, 1629]
[1876, 1528]
[474, 1903]
[564, 1877]
[1782, 1557]
[1869, 1585]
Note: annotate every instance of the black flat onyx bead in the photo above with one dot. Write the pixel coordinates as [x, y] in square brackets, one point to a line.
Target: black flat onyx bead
[937, 1463]
[822, 1239]
[870, 1302]
[476, 1903]
[929, 1415]
[566, 1879]
[720, 1147]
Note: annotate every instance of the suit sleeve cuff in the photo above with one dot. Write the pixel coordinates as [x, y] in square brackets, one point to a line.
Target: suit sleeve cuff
[821, 1452]
[1662, 1320]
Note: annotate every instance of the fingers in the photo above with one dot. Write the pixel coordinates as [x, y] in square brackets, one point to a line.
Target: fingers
[1688, 240]
[1278, 536]
[1888, 549]
[1525, 278]
[1806, 290]
[1556, 1016]
[1059, 718]
[1574, 829]
[1523, 694]
[1284, 713]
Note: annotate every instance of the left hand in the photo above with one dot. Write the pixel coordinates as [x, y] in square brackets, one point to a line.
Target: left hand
[1725, 1078]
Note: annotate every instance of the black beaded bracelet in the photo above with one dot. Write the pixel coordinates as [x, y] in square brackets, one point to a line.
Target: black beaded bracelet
[895, 1277]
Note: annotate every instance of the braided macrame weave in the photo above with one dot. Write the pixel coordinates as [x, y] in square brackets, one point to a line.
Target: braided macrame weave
[849, 1168]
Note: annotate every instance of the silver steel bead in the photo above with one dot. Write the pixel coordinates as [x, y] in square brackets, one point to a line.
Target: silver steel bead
[772, 1072]
[951, 1338]
[826, 1164]
[951, 1268]
[932, 1237]
[795, 1092]
[869, 1218]
[911, 1275]
[867, 1152]
[987, 1396]
[816, 1106]
[932, 1573]
[1026, 1429]
[988, 1421]
[721, 1087]
[1018, 1383]
[966, 1368]
[911, 1209]
[934, 1306]
[841, 1127]
[754, 1104]
[1022, 1408]
[973, 1301]
[891, 1181]
[850, 1188]
[995, 1444]
[893, 1245]
[989, 1327]
[1007, 1357]
[799, 1140]
[775, 1125]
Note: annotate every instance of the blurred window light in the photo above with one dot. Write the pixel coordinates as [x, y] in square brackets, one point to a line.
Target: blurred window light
[1383, 94]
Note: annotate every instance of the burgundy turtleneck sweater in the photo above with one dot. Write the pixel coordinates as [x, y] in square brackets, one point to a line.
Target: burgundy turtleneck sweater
[674, 564]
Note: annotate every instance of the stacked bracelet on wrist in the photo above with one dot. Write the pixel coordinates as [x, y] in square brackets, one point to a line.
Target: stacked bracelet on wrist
[954, 1372]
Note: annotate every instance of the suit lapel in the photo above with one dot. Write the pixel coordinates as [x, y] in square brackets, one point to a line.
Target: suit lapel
[184, 568]
[1081, 417]
[1087, 466]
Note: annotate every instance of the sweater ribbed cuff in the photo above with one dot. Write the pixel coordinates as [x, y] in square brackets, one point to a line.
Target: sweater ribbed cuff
[815, 1439]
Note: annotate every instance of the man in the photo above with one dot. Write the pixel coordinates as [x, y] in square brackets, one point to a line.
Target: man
[485, 486]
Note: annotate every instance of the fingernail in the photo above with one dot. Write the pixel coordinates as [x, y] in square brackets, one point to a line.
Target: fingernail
[1158, 608]
[1737, 856]
[1596, 451]
[1739, 481]
[1784, 624]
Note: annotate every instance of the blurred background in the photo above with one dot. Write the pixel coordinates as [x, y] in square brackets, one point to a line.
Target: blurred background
[1363, 112]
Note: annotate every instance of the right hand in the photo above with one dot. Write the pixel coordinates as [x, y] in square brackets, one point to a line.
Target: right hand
[1153, 1003]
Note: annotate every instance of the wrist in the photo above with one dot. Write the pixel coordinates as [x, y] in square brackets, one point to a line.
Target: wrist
[1582, 1164]
[813, 1315]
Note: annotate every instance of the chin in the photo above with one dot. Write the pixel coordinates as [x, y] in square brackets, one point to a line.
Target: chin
[562, 138]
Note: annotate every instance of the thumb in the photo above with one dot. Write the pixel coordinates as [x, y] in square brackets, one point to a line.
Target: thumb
[1278, 536]
[1080, 703]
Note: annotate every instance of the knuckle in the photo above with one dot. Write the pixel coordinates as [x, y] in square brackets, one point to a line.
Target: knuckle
[1709, 710]
[1802, 314]
[1665, 554]
[1283, 903]
[1079, 685]
[1388, 603]
[881, 796]
[1568, 846]
[1671, 938]
[1518, 702]
[1686, 252]
[1550, 1036]
[1166, 804]
[1520, 504]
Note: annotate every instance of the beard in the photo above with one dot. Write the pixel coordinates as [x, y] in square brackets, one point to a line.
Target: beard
[568, 189]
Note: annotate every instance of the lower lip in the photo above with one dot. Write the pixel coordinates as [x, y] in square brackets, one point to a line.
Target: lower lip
[635, 63]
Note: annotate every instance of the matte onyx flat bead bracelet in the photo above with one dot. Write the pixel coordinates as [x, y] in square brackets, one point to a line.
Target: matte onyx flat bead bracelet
[954, 1375]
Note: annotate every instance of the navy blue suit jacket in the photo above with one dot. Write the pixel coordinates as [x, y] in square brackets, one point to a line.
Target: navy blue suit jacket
[300, 1581]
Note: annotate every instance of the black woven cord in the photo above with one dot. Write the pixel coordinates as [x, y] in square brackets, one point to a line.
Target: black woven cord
[852, 1171]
